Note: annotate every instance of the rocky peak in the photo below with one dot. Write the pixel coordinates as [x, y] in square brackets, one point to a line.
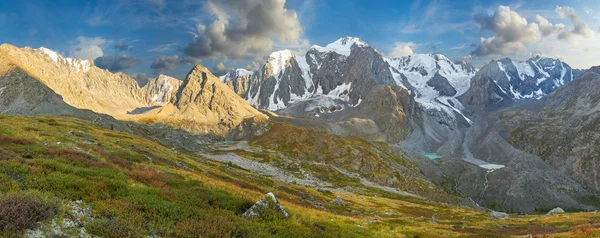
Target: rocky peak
[162, 89]
[204, 98]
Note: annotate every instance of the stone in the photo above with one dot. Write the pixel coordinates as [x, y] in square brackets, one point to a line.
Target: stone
[338, 201]
[555, 211]
[494, 215]
[268, 202]
[180, 165]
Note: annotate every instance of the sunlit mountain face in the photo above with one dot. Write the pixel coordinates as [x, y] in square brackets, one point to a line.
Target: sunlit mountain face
[286, 118]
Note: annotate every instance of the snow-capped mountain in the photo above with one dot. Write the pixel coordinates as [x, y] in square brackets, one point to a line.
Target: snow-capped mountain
[342, 71]
[534, 78]
[341, 74]
[435, 79]
[76, 63]
[506, 81]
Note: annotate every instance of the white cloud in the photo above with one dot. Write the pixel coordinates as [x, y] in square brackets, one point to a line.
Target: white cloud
[244, 29]
[579, 29]
[402, 49]
[511, 32]
[88, 48]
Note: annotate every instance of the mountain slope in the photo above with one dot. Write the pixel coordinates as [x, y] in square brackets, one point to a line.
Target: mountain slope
[92, 88]
[214, 108]
[123, 185]
[565, 133]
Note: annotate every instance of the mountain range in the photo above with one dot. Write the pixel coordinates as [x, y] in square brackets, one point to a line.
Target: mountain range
[512, 136]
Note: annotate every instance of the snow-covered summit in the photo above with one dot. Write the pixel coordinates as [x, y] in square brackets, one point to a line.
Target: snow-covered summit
[78, 64]
[279, 60]
[234, 74]
[342, 46]
[533, 78]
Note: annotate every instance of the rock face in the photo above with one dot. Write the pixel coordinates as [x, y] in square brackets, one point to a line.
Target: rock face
[555, 211]
[162, 89]
[243, 82]
[441, 84]
[268, 203]
[494, 215]
[514, 81]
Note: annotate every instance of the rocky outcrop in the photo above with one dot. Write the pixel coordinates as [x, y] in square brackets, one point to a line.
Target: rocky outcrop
[555, 211]
[441, 84]
[494, 215]
[338, 201]
[266, 204]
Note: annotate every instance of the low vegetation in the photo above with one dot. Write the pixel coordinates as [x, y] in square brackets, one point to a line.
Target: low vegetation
[136, 187]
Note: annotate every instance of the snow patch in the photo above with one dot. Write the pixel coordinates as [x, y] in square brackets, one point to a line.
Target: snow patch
[491, 167]
[78, 64]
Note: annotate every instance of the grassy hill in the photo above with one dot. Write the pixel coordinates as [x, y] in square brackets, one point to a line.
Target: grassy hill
[62, 175]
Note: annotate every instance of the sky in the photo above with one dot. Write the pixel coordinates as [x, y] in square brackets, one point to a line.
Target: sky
[145, 38]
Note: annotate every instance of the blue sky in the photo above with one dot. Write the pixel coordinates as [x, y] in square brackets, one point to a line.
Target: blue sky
[162, 36]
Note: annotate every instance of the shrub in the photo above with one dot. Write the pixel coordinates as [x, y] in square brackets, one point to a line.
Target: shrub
[77, 158]
[13, 140]
[20, 211]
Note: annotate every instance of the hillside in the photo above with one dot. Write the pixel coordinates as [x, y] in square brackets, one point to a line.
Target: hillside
[89, 180]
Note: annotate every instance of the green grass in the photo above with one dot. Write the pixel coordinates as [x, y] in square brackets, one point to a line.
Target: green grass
[132, 197]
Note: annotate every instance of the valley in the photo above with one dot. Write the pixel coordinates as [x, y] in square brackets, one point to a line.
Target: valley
[349, 143]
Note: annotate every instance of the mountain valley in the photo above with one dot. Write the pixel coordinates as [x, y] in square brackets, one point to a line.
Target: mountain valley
[405, 144]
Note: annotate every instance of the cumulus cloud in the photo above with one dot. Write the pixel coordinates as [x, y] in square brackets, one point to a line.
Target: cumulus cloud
[164, 63]
[88, 48]
[121, 46]
[141, 78]
[115, 63]
[511, 32]
[402, 49]
[546, 28]
[219, 69]
[579, 29]
[244, 29]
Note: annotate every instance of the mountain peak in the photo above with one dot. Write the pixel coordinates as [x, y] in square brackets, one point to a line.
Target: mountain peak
[342, 46]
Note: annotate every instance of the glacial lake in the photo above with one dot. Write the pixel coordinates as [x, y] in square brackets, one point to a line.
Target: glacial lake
[431, 156]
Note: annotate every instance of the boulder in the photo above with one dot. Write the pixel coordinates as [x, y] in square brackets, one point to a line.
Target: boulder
[265, 204]
[338, 201]
[494, 215]
[555, 211]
